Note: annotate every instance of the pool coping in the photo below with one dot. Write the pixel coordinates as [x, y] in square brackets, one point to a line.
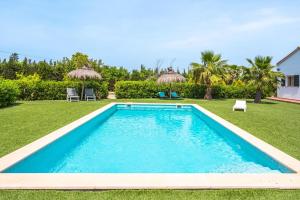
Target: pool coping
[148, 180]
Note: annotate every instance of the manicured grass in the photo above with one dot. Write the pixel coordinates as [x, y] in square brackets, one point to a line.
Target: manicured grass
[28, 121]
[154, 194]
[275, 122]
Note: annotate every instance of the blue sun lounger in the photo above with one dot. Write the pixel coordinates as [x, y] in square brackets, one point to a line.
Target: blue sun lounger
[162, 95]
[174, 95]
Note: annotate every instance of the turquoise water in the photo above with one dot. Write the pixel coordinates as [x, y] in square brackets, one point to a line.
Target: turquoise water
[149, 139]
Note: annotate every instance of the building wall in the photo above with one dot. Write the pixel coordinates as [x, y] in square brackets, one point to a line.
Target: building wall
[291, 66]
[289, 92]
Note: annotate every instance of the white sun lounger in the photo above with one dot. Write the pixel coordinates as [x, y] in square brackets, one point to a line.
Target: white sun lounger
[240, 105]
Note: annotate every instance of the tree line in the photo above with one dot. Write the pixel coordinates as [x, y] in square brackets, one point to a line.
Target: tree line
[57, 70]
[211, 70]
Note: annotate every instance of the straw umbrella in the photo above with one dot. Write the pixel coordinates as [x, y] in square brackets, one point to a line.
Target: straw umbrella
[169, 77]
[84, 74]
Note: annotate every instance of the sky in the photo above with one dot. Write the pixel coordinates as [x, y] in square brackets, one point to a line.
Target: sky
[129, 33]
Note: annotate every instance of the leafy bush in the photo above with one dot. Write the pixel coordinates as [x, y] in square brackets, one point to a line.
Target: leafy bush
[145, 89]
[28, 86]
[56, 90]
[231, 91]
[100, 88]
[136, 89]
[9, 92]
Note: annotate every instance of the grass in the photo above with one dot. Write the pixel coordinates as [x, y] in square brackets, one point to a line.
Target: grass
[275, 122]
[27, 121]
[153, 194]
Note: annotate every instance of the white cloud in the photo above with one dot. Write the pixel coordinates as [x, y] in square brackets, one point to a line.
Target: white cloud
[264, 23]
[228, 29]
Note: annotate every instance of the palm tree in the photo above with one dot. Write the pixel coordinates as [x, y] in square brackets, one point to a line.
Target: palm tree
[262, 76]
[210, 67]
[232, 73]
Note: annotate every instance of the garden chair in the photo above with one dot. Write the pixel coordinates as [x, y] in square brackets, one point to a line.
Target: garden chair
[240, 105]
[162, 95]
[174, 95]
[89, 94]
[72, 95]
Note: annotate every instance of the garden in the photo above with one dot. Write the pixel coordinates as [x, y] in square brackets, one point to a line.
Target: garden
[30, 120]
[211, 78]
[32, 97]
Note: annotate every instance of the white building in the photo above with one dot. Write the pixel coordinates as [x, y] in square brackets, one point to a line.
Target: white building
[290, 67]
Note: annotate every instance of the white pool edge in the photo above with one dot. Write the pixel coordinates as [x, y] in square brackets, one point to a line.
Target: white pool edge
[146, 180]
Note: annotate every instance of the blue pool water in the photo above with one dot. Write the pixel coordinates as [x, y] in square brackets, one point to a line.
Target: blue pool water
[149, 139]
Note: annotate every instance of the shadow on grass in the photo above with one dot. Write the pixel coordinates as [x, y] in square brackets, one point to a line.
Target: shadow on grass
[12, 105]
[172, 99]
[218, 99]
[262, 102]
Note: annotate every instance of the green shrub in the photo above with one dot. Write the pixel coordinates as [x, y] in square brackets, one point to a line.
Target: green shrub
[56, 90]
[9, 92]
[135, 89]
[100, 88]
[234, 91]
[146, 89]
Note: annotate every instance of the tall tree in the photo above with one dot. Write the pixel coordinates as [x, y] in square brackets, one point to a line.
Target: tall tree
[112, 74]
[11, 67]
[79, 60]
[262, 76]
[211, 66]
[232, 73]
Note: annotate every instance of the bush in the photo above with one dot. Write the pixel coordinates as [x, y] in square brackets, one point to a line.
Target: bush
[146, 89]
[231, 91]
[9, 92]
[100, 88]
[234, 91]
[136, 89]
[56, 90]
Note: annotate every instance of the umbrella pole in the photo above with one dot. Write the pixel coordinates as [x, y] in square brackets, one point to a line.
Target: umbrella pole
[82, 88]
[170, 90]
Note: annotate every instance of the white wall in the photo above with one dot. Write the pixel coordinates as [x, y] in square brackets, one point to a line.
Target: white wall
[289, 92]
[291, 66]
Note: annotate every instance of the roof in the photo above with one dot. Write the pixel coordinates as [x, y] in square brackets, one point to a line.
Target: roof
[170, 76]
[289, 55]
[84, 73]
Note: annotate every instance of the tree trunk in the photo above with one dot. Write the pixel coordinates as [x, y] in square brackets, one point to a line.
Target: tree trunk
[208, 94]
[258, 96]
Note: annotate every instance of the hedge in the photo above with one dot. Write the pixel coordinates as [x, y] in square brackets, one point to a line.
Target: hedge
[230, 91]
[146, 89]
[9, 92]
[56, 90]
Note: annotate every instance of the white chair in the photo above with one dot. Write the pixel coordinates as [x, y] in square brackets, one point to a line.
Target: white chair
[72, 95]
[89, 94]
[240, 105]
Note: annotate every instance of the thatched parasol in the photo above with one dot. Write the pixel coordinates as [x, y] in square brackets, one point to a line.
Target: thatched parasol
[83, 74]
[169, 77]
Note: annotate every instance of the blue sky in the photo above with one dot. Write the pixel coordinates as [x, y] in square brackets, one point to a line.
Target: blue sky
[133, 32]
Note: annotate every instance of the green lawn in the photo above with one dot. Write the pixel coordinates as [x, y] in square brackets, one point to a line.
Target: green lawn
[274, 122]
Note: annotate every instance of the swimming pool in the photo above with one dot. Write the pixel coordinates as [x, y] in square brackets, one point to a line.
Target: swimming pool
[144, 138]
